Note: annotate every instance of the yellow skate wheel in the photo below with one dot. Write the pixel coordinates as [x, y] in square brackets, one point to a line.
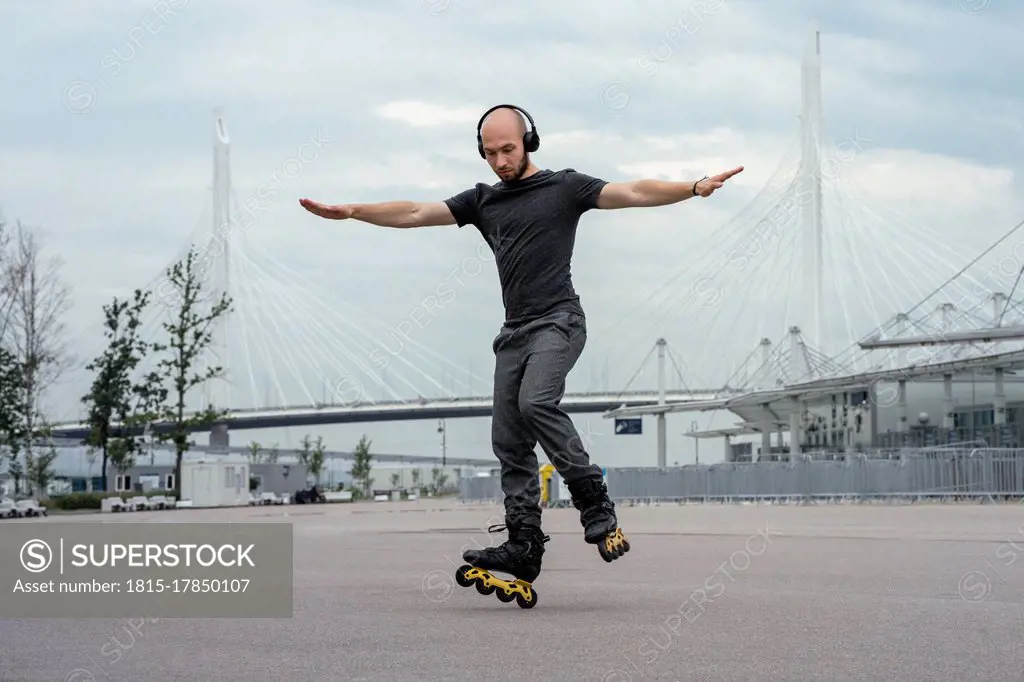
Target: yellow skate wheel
[460, 576]
[506, 594]
[470, 575]
[508, 591]
[527, 602]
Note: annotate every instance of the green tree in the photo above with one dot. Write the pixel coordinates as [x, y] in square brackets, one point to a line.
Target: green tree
[91, 455]
[395, 479]
[439, 480]
[316, 459]
[122, 454]
[305, 452]
[311, 456]
[254, 452]
[12, 428]
[415, 478]
[12, 431]
[362, 465]
[39, 467]
[190, 333]
[116, 403]
[33, 300]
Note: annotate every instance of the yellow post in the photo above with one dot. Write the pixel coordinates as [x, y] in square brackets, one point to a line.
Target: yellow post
[546, 472]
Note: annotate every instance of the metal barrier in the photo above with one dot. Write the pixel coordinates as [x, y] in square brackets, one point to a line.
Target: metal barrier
[988, 474]
[480, 489]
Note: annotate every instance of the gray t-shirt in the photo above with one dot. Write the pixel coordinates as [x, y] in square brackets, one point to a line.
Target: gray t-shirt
[530, 225]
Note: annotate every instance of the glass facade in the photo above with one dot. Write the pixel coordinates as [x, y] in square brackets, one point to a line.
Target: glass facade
[974, 425]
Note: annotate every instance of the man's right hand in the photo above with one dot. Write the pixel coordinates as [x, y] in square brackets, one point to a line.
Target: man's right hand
[336, 212]
[386, 214]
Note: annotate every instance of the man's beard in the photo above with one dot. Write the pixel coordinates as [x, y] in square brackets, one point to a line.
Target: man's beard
[518, 173]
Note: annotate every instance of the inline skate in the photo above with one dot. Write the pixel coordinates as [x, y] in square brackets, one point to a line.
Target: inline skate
[519, 556]
[597, 516]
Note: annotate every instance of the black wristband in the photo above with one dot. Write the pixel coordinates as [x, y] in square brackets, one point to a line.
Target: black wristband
[694, 190]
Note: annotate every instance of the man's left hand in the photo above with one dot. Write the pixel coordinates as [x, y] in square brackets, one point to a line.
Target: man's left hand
[707, 186]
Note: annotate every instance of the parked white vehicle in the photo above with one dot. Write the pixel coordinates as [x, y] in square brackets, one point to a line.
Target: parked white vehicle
[138, 503]
[31, 507]
[9, 510]
[161, 502]
[113, 504]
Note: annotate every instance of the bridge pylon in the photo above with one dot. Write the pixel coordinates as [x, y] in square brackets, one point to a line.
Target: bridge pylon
[218, 265]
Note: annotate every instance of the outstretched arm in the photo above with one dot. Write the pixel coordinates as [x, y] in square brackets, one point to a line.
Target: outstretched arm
[659, 192]
[400, 214]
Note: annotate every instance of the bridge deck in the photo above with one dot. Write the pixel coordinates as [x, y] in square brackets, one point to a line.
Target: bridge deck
[434, 408]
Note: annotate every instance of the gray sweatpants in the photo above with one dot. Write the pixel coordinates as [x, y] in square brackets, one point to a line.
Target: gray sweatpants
[531, 365]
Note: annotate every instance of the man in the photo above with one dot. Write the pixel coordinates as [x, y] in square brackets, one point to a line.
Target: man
[529, 219]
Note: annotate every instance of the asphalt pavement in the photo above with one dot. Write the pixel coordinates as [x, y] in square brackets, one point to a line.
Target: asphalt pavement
[724, 593]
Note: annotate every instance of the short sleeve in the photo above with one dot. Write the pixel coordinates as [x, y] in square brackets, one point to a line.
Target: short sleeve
[464, 207]
[585, 188]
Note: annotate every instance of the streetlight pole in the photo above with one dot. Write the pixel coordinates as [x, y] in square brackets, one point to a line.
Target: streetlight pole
[696, 441]
[444, 442]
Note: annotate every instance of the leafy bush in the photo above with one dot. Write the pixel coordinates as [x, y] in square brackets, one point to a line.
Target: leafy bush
[93, 500]
[72, 501]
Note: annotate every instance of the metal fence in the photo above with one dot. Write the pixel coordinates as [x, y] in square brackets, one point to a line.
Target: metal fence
[480, 489]
[941, 474]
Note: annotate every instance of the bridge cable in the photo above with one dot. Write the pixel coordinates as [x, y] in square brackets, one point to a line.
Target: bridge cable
[414, 345]
[638, 371]
[882, 328]
[672, 357]
[973, 261]
[1009, 297]
[742, 365]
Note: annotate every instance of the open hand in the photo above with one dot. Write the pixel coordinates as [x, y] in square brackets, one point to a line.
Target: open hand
[707, 186]
[336, 212]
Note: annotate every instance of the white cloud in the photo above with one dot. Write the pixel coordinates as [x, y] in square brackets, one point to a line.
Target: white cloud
[426, 115]
[946, 182]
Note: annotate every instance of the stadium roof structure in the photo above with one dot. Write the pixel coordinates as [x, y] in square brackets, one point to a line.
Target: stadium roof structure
[986, 335]
[742, 429]
[777, 404]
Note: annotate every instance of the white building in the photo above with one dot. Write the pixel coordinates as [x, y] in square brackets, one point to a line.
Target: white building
[215, 481]
[978, 402]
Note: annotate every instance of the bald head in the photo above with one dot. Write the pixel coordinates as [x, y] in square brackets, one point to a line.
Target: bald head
[503, 123]
[502, 136]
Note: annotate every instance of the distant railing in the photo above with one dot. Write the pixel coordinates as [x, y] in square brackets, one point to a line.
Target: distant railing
[935, 474]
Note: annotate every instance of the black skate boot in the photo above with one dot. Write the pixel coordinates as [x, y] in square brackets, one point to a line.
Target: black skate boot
[597, 515]
[519, 556]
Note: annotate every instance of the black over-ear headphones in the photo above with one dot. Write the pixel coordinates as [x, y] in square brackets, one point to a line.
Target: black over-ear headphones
[531, 140]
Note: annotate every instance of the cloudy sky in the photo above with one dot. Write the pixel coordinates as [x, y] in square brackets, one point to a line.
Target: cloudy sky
[106, 145]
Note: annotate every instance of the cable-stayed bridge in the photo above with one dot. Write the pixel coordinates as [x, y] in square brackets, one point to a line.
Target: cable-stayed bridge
[781, 294]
